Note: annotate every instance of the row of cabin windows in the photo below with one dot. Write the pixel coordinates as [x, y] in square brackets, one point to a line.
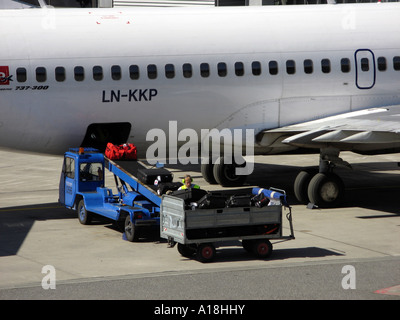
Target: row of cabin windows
[205, 70]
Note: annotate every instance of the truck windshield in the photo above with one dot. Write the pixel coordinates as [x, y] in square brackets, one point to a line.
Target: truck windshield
[91, 171]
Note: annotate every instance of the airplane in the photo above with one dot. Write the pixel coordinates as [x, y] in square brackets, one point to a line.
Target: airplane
[321, 77]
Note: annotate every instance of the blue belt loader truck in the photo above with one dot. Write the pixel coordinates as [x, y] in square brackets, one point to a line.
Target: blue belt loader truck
[135, 207]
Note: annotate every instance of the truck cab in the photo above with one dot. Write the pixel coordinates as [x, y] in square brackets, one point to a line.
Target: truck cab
[83, 171]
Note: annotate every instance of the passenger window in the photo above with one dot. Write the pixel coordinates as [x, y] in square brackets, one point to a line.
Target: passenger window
[396, 63]
[364, 64]
[134, 72]
[382, 65]
[256, 68]
[325, 65]
[21, 74]
[345, 65]
[290, 67]
[152, 71]
[169, 71]
[273, 68]
[97, 73]
[116, 72]
[308, 66]
[239, 69]
[60, 74]
[187, 70]
[41, 75]
[79, 73]
[205, 70]
[222, 70]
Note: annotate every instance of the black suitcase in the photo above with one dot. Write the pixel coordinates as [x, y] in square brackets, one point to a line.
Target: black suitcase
[260, 200]
[239, 201]
[189, 195]
[148, 176]
[163, 187]
[210, 201]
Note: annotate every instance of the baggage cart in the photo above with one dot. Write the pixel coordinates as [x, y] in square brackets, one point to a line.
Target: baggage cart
[196, 232]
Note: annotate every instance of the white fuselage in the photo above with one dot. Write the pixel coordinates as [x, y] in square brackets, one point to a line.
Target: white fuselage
[329, 58]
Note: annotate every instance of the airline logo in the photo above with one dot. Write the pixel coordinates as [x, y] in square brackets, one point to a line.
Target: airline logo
[5, 77]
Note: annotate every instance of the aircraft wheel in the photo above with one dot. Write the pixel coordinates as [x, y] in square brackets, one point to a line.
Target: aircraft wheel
[84, 216]
[326, 190]
[225, 174]
[301, 185]
[207, 172]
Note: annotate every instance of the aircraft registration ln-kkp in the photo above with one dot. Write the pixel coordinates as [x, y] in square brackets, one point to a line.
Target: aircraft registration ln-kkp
[325, 77]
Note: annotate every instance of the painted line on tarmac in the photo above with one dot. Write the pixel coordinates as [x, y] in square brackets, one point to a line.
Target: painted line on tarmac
[395, 291]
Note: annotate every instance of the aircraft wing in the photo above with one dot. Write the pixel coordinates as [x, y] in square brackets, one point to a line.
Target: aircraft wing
[363, 131]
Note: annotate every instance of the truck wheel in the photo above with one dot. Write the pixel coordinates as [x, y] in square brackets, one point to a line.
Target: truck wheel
[205, 252]
[84, 216]
[131, 231]
[186, 251]
[262, 248]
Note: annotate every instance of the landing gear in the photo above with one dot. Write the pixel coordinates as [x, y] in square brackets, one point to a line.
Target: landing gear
[324, 188]
[223, 172]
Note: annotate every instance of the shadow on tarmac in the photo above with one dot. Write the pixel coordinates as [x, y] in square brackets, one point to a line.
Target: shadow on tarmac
[16, 222]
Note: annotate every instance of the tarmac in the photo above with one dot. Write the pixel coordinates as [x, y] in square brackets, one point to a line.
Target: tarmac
[35, 231]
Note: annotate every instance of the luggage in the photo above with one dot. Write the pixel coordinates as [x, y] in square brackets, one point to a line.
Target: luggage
[239, 201]
[125, 151]
[149, 176]
[210, 201]
[163, 187]
[189, 195]
[260, 200]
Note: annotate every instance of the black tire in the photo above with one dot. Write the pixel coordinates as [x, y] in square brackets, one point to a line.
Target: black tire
[262, 248]
[225, 174]
[326, 190]
[248, 245]
[207, 173]
[130, 230]
[301, 185]
[186, 251]
[205, 252]
[84, 216]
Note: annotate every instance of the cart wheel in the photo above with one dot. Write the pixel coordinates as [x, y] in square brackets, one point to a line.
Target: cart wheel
[262, 248]
[131, 232]
[248, 245]
[205, 252]
[186, 251]
[84, 216]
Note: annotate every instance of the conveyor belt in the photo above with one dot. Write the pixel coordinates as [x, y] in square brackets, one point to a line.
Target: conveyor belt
[127, 171]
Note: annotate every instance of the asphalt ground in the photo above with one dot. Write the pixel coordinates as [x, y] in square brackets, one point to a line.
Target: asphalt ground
[351, 252]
